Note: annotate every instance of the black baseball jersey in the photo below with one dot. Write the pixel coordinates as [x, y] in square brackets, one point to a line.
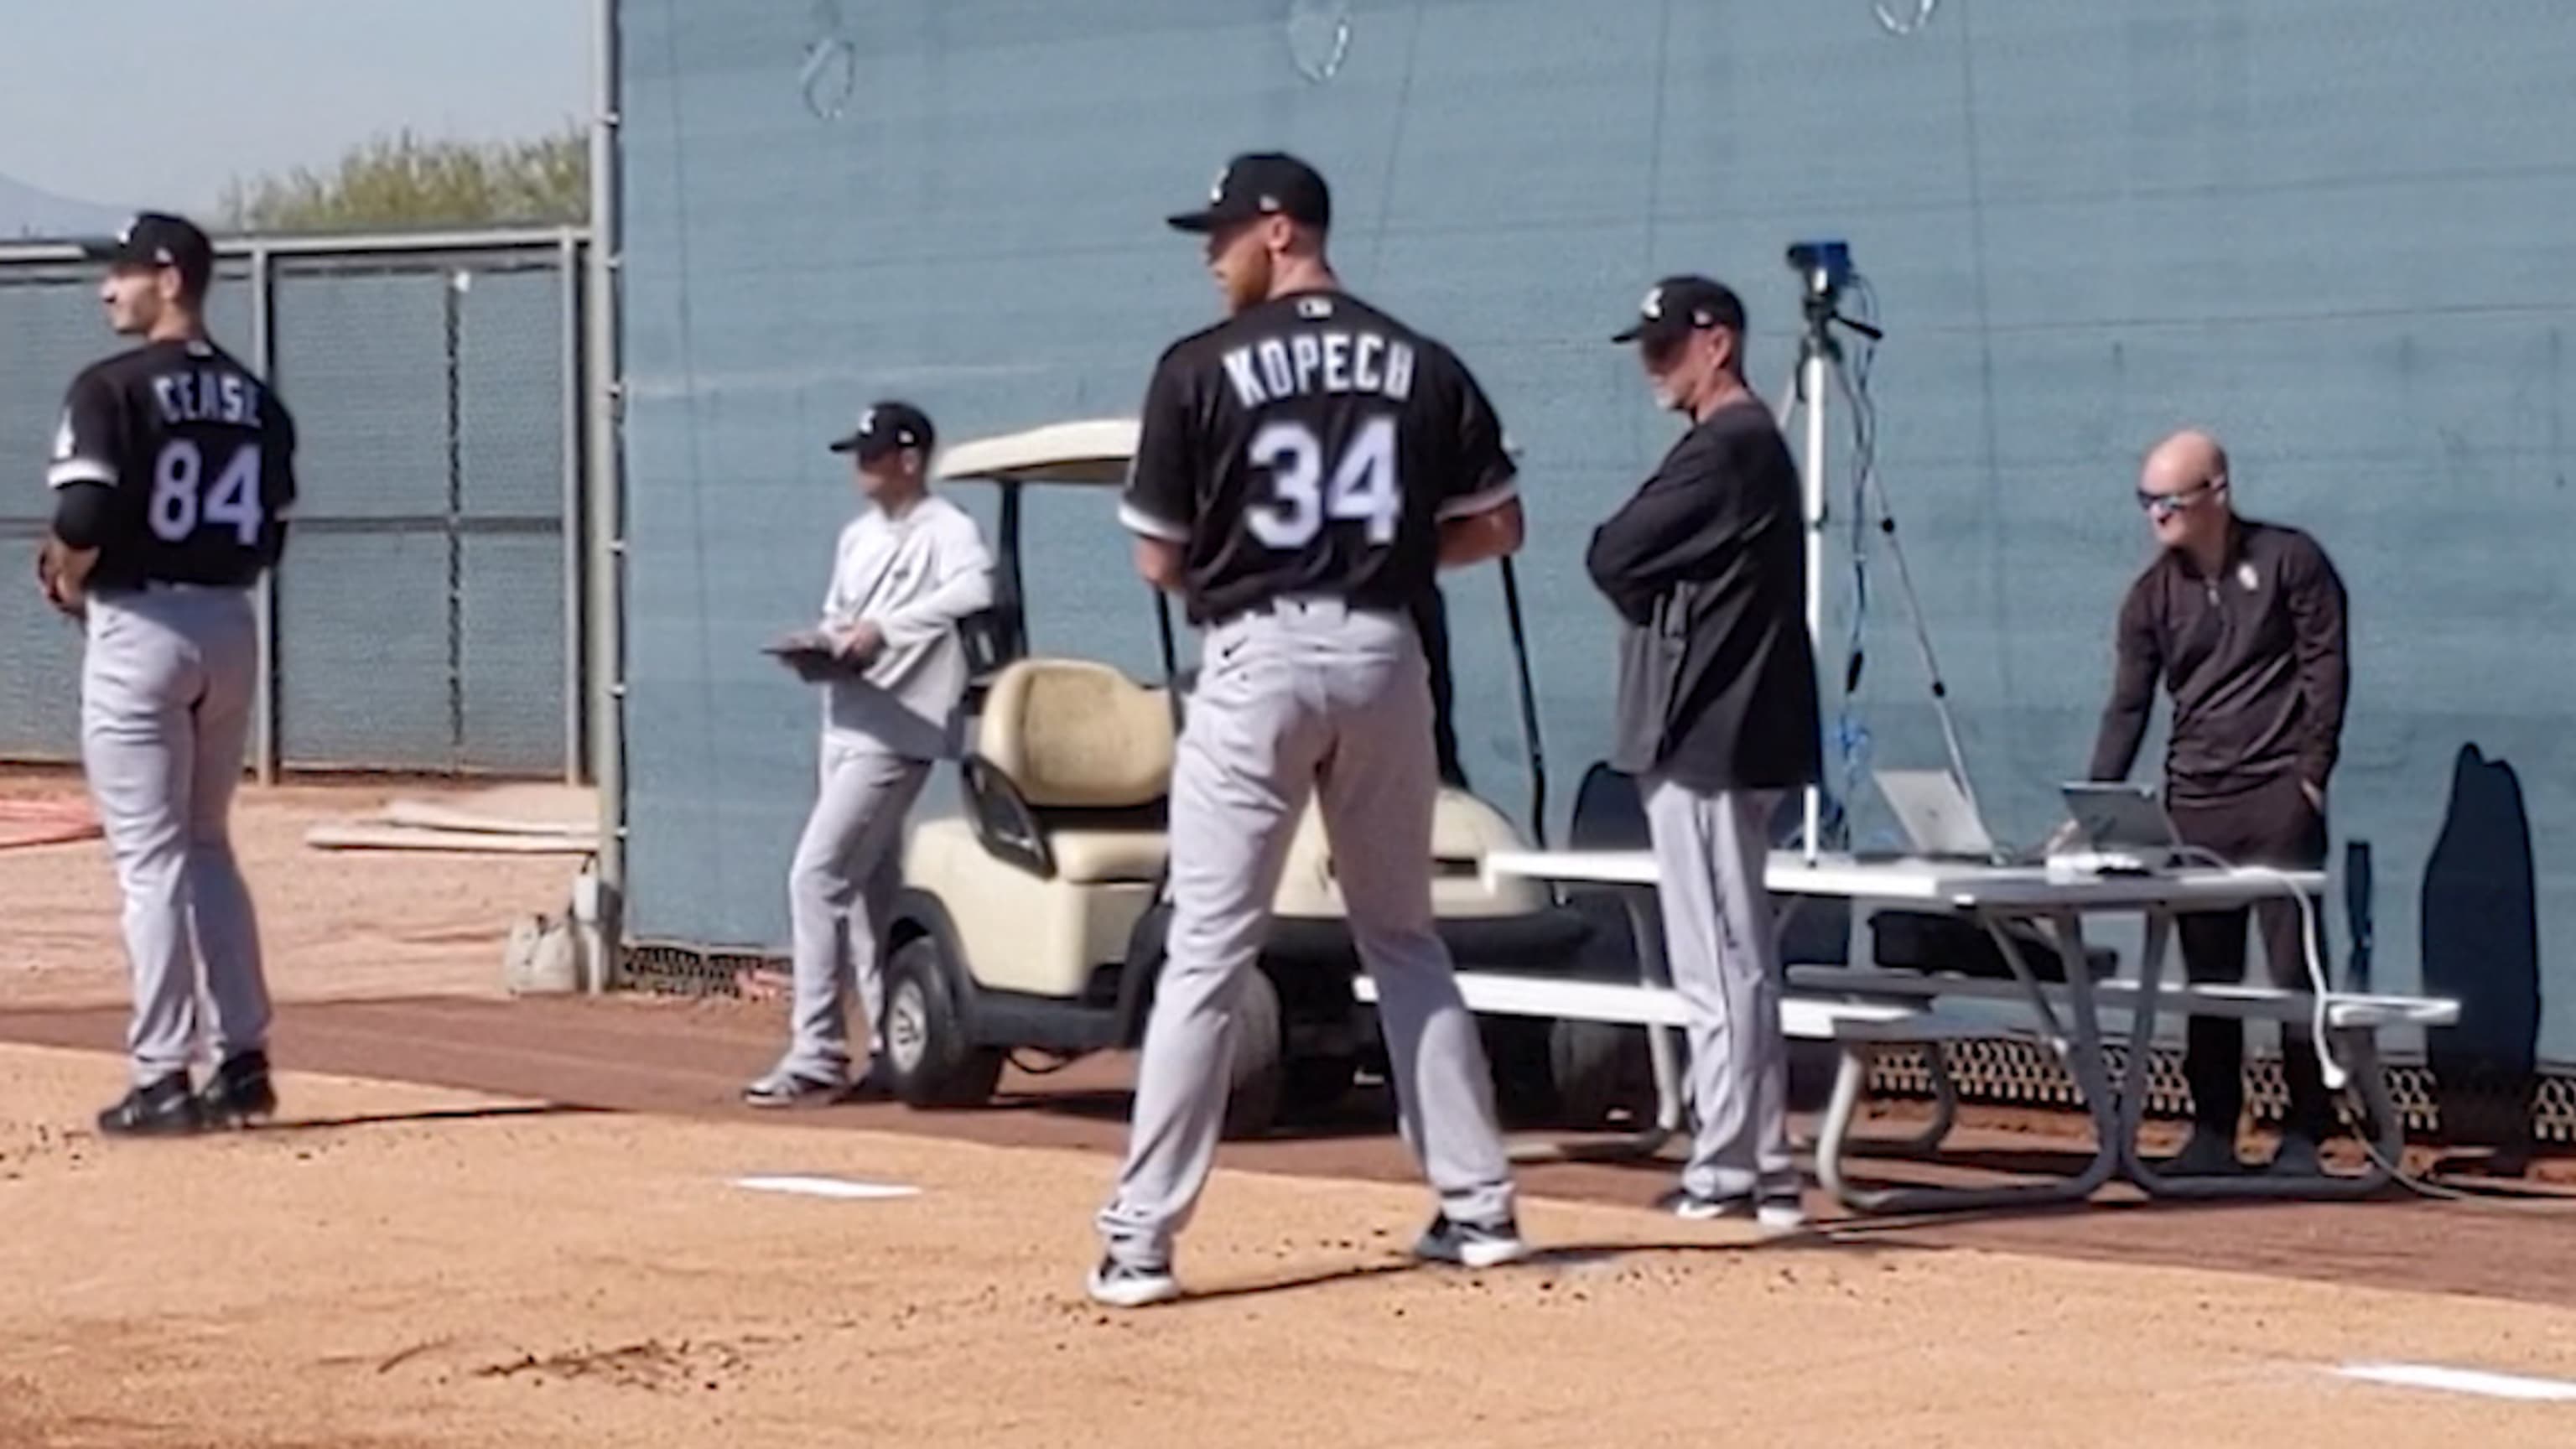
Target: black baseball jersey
[1311, 446]
[201, 456]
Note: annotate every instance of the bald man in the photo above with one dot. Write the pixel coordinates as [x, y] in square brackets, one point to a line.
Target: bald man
[2244, 624]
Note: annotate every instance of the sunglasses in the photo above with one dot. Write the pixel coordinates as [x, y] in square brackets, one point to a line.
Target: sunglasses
[2166, 505]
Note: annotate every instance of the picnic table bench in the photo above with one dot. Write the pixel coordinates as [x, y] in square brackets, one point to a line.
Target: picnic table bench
[1863, 1009]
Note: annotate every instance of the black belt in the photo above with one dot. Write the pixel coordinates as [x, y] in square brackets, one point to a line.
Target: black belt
[139, 586]
[1272, 608]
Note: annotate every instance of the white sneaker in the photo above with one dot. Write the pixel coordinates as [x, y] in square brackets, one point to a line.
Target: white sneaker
[1125, 1285]
[1773, 1213]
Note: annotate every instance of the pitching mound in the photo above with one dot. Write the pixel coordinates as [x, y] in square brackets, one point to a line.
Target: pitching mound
[34, 820]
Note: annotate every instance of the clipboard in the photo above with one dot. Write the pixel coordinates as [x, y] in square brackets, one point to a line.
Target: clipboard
[811, 655]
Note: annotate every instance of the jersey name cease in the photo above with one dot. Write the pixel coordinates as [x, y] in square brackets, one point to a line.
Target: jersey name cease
[207, 397]
[1308, 363]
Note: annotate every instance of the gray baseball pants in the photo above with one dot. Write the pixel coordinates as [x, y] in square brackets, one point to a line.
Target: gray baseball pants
[1310, 697]
[840, 891]
[166, 689]
[1710, 850]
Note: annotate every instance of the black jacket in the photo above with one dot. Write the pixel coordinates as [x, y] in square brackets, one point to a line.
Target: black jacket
[1708, 571]
[2255, 659]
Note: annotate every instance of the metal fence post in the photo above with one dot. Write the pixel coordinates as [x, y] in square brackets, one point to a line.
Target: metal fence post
[452, 308]
[575, 574]
[266, 755]
[606, 514]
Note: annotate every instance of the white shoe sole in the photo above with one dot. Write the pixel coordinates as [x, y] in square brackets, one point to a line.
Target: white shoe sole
[1132, 1292]
[1493, 1254]
[800, 1092]
[1769, 1219]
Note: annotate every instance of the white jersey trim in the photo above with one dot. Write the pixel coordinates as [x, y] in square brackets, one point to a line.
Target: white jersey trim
[1137, 520]
[80, 470]
[1485, 502]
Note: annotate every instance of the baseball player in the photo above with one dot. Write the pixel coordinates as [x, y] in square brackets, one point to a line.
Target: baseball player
[1717, 718]
[1303, 470]
[908, 569]
[173, 472]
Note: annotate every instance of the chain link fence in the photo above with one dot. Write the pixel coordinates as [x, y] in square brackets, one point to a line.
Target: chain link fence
[428, 615]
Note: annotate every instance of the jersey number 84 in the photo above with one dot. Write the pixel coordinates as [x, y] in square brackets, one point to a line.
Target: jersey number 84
[180, 504]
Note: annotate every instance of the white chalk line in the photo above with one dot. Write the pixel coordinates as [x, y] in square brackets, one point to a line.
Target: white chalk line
[832, 1187]
[2463, 1381]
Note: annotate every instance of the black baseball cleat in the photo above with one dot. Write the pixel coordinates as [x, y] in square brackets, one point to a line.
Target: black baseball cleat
[165, 1108]
[1471, 1245]
[783, 1088]
[238, 1092]
[2205, 1154]
[2298, 1157]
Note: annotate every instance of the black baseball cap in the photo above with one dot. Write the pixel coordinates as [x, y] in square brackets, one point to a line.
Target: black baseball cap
[885, 427]
[1262, 183]
[158, 239]
[1681, 305]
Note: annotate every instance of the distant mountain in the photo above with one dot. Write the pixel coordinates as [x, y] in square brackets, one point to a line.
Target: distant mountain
[28, 213]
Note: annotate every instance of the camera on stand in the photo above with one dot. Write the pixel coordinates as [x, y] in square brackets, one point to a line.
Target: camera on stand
[1825, 265]
[1825, 275]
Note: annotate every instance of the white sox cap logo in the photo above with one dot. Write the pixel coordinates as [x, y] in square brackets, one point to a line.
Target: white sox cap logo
[1653, 306]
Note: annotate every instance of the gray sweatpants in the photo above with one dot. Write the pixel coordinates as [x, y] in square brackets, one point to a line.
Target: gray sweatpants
[1312, 697]
[841, 888]
[1710, 850]
[166, 688]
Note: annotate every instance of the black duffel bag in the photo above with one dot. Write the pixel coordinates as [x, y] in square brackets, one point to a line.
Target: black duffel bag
[1938, 941]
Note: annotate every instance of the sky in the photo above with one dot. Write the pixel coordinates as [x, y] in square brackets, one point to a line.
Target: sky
[135, 103]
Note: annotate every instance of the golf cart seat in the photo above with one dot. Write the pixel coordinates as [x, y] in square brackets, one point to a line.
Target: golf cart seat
[1071, 765]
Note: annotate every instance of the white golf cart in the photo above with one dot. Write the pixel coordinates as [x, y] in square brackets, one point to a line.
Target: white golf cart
[1031, 921]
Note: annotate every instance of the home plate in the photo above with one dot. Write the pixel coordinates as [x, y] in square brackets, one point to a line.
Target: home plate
[840, 1187]
[2463, 1381]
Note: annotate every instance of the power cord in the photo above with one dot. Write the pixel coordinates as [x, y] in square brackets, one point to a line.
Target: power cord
[2338, 1078]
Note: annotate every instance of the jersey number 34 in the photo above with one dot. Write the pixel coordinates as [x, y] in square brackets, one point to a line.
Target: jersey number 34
[180, 503]
[1362, 488]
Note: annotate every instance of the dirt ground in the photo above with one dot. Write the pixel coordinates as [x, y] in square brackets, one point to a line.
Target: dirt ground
[416, 1267]
[336, 925]
[488, 1222]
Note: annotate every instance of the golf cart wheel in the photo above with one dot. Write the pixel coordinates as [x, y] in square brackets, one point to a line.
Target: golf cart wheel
[1599, 1069]
[926, 1050]
[1316, 1085]
[1520, 1049]
[1257, 1076]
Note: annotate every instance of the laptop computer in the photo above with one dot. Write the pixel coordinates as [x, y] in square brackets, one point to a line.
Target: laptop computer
[1939, 820]
[2123, 826]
